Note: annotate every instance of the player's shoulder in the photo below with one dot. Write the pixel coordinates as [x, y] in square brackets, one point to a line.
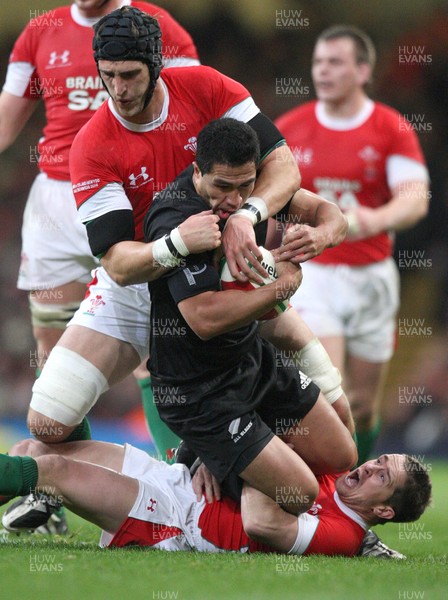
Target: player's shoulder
[152, 9]
[196, 81]
[179, 195]
[178, 198]
[99, 126]
[50, 18]
[47, 21]
[193, 73]
[386, 114]
[302, 112]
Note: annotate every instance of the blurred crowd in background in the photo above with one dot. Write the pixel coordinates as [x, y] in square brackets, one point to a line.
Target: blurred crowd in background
[267, 46]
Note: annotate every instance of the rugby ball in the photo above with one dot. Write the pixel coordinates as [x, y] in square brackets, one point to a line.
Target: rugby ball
[230, 283]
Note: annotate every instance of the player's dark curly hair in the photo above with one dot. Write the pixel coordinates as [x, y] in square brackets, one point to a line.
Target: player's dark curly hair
[226, 142]
[411, 500]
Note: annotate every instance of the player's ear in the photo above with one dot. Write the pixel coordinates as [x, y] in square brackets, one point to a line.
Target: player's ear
[364, 73]
[383, 512]
[196, 173]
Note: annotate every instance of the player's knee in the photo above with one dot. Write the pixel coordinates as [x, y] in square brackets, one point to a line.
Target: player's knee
[64, 393]
[345, 458]
[27, 447]
[299, 496]
[52, 468]
[365, 417]
[51, 316]
[45, 429]
[307, 496]
[363, 407]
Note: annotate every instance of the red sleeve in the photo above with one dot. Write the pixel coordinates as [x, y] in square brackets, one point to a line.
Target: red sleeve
[224, 91]
[90, 166]
[336, 535]
[403, 139]
[176, 41]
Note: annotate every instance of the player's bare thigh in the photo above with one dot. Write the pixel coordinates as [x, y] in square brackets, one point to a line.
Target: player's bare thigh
[322, 440]
[104, 454]
[47, 337]
[281, 474]
[113, 357]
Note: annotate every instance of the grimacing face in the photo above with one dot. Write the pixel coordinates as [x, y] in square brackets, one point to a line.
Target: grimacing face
[225, 188]
[372, 484]
[335, 72]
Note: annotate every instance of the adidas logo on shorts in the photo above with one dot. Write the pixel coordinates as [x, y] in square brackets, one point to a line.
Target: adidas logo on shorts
[304, 380]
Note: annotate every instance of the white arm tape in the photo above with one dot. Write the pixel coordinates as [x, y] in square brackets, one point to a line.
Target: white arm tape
[314, 361]
[254, 209]
[168, 250]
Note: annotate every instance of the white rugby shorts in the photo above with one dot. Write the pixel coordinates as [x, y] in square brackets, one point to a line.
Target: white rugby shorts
[357, 303]
[55, 248]
[165, 498]
[117, 311]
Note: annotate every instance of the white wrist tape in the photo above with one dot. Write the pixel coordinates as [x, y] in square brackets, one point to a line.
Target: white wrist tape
[353, 223]
[314, 361]
[169, 250]
[178, 242]
[254, 209]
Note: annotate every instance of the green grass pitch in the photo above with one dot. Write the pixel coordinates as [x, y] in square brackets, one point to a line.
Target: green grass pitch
[72, 567]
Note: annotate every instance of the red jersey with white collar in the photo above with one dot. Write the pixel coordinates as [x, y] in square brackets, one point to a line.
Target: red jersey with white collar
[116, 165]
[329, 527]
[53, 59]
[352, 164]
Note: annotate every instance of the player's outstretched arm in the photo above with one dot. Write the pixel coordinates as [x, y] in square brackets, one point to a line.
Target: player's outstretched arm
[14, 113]
[409, 204]
[131, 262]
[315, 224]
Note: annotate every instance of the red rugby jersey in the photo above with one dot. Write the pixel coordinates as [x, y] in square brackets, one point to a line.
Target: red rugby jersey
[348, 166]
[53, 59]
[329, 527]
[144, 159]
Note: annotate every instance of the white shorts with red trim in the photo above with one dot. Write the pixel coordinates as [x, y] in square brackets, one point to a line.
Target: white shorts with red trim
[55, 248]
[117, 311]
[357, 303]
[165, 513]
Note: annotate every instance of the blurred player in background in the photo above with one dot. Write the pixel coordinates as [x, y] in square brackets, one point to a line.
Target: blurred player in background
[52, 60]
[365, 157]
